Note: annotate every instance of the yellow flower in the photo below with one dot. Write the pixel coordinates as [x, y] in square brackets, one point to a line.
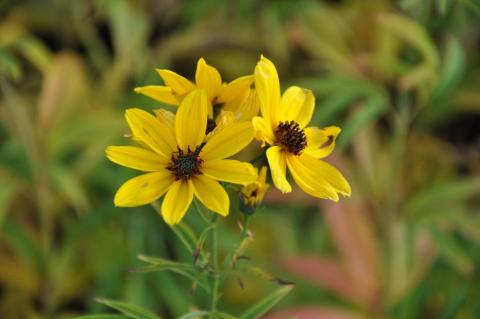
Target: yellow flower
[290, 143]
[178, 162]
[206, 77]
[254, 193]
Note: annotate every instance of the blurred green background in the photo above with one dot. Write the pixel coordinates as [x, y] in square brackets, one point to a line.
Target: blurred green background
[401, 78]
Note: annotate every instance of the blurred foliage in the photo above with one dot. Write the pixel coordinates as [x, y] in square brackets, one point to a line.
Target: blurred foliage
[401, 77]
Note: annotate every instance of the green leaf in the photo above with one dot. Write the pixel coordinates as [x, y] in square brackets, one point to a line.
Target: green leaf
[101, 316]
[195, 314]
[184, 269]
[368, 112]
[131, 311]
[440, 195]
[267, 303]
[452, 251]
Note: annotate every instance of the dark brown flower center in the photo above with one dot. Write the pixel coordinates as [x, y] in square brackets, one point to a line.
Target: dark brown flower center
[185, 165]
[291, 137]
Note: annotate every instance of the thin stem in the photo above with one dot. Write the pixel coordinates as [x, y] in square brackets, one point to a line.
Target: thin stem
[176, 231]
[214, 264]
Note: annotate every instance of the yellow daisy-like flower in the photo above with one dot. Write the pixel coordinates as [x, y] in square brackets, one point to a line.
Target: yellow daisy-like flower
[254, 193]
[290, 143]
[178, 162]
[206, 77]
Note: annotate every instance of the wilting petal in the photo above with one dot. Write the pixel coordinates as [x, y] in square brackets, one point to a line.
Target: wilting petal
[278, 167]
[180, 85]
[159, 93]
[136, 158]
[235, 89]
[212, 195]
[321, 142]
[143, 189]
[297, 105]
[231, 171]
[191, 120]
[176, 202]
[268, 89]
[151, 131]
[208, 78]
[228, 141]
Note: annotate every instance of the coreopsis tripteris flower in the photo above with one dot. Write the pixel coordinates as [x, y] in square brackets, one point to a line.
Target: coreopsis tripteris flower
[282, 128]
[253, 193]
[178, 162]
[176, 87]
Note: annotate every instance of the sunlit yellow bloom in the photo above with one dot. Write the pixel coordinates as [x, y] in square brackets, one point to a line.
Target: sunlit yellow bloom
[282, 128]
[178, 162]
[254, 193]
[206, 77]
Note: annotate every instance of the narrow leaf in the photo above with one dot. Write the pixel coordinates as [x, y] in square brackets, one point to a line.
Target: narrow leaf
[267, 303]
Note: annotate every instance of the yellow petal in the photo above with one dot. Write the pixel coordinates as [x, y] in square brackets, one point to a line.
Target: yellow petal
[268, 89]
[159, 93]
[143, 189]
[321, 142]
[278, 166]
[151, 131]
[212, 195]
[191, 120]
[208, 78]
[228, 141]
[231, 171]
[263, 131]
[317, 177]
[166, 117]
[245, 108]
[297, 105]
[235, 89]
[309, 180]
[176, 202]
[136, 158]
[179, 85]
[223, 120]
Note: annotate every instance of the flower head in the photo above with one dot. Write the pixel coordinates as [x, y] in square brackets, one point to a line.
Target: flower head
[232, 95]
[179, 162]
[253, 193]
[282, 128]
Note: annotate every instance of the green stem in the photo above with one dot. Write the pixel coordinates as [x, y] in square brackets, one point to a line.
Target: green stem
[176, 231]
[214, 264]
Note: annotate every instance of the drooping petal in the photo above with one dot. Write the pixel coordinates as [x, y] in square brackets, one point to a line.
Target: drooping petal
[231, 171]
[278, 167]
[297, 105]
[151, 131]
[136, 158]
[166, 117]
[235, 89]
[143, 189]
[212, 195]
[176, 202]
[191, 120]
[159, 93]
[245, 107]
[228, 141]
[317, 177]
[208, 78]
[263, 131]
[309, 181]
[179, 84]
[321, 141]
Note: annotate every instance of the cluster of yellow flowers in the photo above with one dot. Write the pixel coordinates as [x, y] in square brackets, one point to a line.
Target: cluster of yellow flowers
[185, 154]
